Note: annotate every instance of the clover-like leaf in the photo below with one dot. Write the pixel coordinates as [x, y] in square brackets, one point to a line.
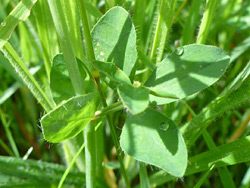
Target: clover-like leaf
[114, 39]
[136, 99]
[69, 118]
[190, 69]
[153, 138]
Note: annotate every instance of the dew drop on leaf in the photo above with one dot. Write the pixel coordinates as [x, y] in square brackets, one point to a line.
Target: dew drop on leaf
[3, 24]
[179, 51]
[164, 126]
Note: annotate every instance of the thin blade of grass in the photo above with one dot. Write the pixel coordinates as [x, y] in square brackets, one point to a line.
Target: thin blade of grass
[204, 177]
[224, 155]
[72, 19]
[20, 13]
[9, 134]
[66, 45]
[28, 79]
[166, 15]
[144, 181]
[207, 19]
[47, 34]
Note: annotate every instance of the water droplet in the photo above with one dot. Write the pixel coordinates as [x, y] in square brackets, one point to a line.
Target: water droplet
[101, 53]
[179, 51]
[164, 126]
[221, 70]
[3, 24]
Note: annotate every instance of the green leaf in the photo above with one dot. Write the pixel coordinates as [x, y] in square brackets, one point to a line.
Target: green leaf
[110, 70]
[190, 69]
[60, 82]
[114, 39]
[69, 118]
[136, 99]
[153, 138]
[20, 13]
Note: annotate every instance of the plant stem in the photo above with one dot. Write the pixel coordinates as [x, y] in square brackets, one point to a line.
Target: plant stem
[6, 148]
[91, 56]
[73, 22]
[86, 31]
[145, 60]
[28, 79]
[144, 181]
[165, 19]
[114, 138]
[9, 134]
[90, 154]
[207, 20]
[66, 45]
[109, 109]
[138, 18]
[240, 130]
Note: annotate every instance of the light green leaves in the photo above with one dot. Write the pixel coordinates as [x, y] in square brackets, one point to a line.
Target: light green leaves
[135, 99]
[114, 39]
[153, 138]
[21, 12]
[190, 69]
[69, 118]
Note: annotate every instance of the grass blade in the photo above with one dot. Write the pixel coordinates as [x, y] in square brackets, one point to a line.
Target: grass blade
[66, 45]
[29, 80]
[20, 13]
[166, 15]
[207, 21]
[204, 177]
[144, 181]
[224, 155]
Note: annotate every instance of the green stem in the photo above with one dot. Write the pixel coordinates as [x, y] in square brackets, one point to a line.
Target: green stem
[165, 19]
[86, 31]
[109, 109]
[73, 161]
[207, 20]
[9, 135]
[144, 181]
[145, 60]
[73, 23]
[6, 148]
[91, 56]
[66, 45]
[114, 137]
[90, 155]
[28, 79]
[138, 18]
